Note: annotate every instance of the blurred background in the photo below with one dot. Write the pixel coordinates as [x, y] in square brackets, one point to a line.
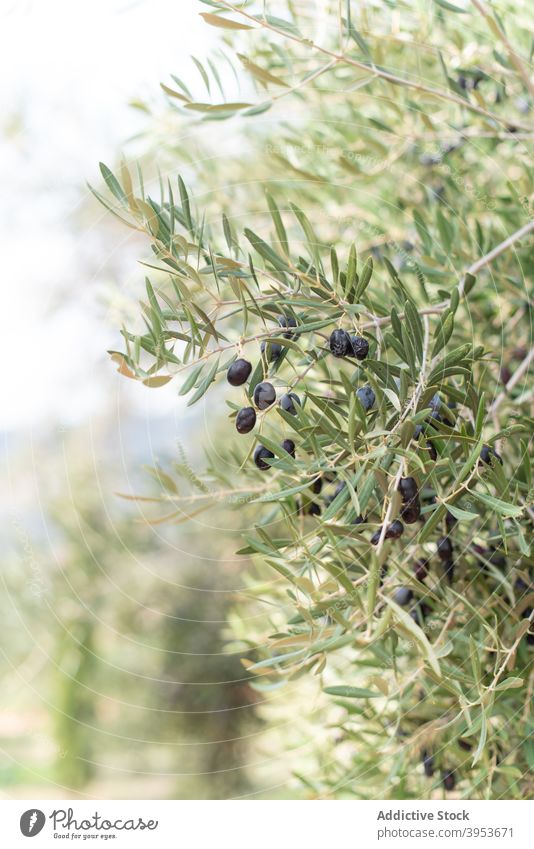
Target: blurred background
[119, 679]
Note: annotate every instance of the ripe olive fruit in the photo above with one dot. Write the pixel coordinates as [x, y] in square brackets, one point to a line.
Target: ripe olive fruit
[261, 453]
[366, 397]
[264, 395]
[245, 420]
[340, 344]
[288, 401]
[360, 347]
[239, 372]
[272, 350]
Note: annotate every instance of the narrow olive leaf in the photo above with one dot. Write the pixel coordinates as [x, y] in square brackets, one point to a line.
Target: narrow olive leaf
[122, 362]
[278, 223]
[475, 660]
[469, 282]
[282, 25]
[223, 23]
[443, 334]
[113, 184]
[482, 740]
[364, 278]
[351, 270]
[461, 515]
[509, 684]
[409, 625]
[191, 379]
[501, 507]
[450, 7]
[265, 251]
[346, 692]
[258, 73]
[172, 93]
[205, 384]
[416, 326]
[157, 381]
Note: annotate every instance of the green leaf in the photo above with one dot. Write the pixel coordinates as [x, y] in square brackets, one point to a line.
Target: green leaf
[461, 515]
[509, 684]
[278, 224]
[223, 23]
[259, 73]
[266, 251]
[351, 692]
[205, 384]
[504, 508]
[409, 625]
[450, 7]
[113, 184]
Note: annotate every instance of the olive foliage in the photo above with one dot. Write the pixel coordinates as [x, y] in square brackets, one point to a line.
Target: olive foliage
[384, 191]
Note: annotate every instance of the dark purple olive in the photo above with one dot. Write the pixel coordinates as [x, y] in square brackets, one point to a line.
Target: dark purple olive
[420, 569]
[317, 486]
[444, 548]
[239, 372]
[487, 454]
[366, 397]
[245, 420]
[288, 401]
[448, 780]
[360, 347]
[261, 454]
[448, 571]
[271, 350]
[411, 512]
[464, 744]
[264, 395]
[289, 446]
[287, 321]
[408, 489]
[403, 596]
[428, 763]
[450, 520]
[432, 451]
[313, 509]
[339, 343]
[393, 531]
[359, 520]
[435, 403]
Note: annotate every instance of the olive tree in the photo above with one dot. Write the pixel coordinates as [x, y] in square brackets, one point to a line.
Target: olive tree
[357, 284]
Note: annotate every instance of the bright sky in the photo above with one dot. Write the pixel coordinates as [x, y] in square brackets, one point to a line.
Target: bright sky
[72, 68]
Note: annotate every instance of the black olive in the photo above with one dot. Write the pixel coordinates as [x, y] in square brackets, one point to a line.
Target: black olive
[403, 596]
[360, 347]
[288, 401]
[367, 397]
[245, 420]
[238, 372]
[289, 446]
[444, 548]
[287, 321]
[260, 455]
[448, 780]
[487, 454]
[340, 344]
[408, 489]
[264, 395]
[272, 350]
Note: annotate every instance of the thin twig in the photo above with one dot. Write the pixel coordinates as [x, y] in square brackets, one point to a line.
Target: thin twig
[513, 56]
[380, 73]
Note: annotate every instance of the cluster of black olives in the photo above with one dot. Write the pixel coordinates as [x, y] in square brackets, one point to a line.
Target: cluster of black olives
[341, 344]
[448, 777]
